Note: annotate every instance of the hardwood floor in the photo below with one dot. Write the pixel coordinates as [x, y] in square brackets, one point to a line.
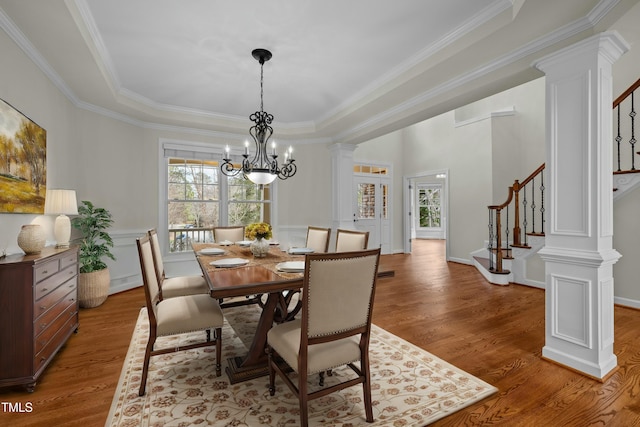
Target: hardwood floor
[493, 332]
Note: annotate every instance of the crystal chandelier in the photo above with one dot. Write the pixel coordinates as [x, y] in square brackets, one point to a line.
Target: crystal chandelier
[263, 168]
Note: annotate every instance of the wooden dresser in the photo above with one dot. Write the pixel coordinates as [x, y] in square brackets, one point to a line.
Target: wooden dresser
[38, 312]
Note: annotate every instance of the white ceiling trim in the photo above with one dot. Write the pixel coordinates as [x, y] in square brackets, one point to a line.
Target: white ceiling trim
[7, 24]
[601, 10]
[530, 48]
[102, 57]
[495, 9]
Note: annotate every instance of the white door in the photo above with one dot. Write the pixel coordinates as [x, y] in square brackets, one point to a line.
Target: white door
[371, 210]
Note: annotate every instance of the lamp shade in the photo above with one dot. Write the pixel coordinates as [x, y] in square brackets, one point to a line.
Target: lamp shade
[60, 202]
[261, 177]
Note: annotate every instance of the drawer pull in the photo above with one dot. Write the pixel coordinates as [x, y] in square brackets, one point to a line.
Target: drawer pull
[45, 272]
[43, 325]
[45, 289]
[43, 307]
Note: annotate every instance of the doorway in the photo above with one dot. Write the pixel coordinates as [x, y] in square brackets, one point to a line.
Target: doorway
[425, 209]
[371, 209]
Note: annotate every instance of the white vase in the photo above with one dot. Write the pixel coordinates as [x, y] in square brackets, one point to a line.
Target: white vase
[260, 248]
[31, 239]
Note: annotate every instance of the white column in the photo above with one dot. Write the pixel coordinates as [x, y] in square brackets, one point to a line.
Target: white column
[578, 252]
[342, 185]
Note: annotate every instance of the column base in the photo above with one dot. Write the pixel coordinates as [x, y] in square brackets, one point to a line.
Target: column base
[600, 372]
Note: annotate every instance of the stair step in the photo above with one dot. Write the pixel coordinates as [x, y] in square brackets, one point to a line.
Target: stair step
[485, 263]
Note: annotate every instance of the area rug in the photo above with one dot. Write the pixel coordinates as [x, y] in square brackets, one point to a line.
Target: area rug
[410, 386]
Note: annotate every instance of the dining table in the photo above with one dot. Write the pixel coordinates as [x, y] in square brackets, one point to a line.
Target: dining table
[233, 273]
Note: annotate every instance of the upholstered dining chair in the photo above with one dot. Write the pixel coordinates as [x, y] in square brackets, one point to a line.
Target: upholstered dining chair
[351, 240]
[334, 329]
[174, 286]
[318, 239]
[176, 315]
[231, 234]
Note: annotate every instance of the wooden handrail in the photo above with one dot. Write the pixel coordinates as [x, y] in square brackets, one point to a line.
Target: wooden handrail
[533, 175]
[626, 93]
[514, 194]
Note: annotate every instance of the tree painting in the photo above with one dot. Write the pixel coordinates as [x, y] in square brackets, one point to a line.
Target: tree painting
[23, 170]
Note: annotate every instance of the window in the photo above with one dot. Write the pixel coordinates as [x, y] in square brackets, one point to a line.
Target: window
[199, 197]
[429, 206]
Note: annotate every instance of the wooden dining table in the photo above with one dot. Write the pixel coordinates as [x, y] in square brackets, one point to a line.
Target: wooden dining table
[258, 277]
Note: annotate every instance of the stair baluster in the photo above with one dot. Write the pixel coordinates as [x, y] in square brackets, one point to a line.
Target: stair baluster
[495, 246]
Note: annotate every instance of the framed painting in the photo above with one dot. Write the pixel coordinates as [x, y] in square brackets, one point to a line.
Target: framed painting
[23, 162]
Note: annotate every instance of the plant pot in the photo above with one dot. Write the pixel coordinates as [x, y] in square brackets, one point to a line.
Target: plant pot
[93, 288]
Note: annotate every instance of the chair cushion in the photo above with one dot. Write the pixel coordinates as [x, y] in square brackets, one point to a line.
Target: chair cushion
[285, 340]
[184, 285]
[187, 314]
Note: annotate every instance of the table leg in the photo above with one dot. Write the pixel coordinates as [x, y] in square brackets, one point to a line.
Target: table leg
[254, 364]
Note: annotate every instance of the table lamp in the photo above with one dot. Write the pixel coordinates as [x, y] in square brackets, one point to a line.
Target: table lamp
[61, 203]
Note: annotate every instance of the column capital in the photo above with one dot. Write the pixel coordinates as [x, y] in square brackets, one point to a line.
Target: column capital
[609, 44]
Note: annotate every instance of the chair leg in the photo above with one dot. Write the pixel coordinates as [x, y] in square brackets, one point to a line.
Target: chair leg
[272, 372]
[366, 387]
[218, 336]
[304, 399]
[145, 366]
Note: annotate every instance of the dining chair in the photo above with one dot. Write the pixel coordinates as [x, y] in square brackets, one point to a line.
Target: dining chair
[351, 240]
[333, 330]
[176, 315]
[231, 234]
[174, 286]
[318, 239]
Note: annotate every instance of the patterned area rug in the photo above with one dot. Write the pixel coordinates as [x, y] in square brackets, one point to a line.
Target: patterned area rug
[410, 386]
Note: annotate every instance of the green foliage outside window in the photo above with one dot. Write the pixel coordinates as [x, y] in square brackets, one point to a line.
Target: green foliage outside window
[429, 207]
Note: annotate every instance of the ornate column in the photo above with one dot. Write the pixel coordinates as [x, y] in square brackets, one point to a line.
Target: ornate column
[342, 185]
[578, 252]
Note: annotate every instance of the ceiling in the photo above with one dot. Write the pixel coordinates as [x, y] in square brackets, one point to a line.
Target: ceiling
[343, 71]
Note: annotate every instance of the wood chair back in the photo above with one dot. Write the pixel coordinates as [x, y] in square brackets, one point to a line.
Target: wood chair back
[149, 277]
[351, 240]
[231, 234]
[318, 239]
[157, 254]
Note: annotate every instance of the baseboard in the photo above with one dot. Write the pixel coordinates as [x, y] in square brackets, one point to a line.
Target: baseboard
[626, 302]
[460, 260]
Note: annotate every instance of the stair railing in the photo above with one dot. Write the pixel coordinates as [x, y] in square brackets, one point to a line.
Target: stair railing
[626, 154]
[498, 245]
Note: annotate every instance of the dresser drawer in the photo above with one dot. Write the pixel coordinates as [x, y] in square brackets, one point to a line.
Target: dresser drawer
[55, 343]
[52, 298]
[46, 328]
[52, 282]
[46, 269]
[68, 260]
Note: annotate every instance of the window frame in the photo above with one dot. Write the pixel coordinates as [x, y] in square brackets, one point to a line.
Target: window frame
[195, 150]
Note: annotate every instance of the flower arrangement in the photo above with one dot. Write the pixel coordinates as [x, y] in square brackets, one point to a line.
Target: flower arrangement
[258, 230]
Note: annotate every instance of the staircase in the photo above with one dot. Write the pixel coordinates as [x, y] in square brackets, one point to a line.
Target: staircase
[516, 227]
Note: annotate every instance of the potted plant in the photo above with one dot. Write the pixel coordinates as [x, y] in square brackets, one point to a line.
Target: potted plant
[94, 245]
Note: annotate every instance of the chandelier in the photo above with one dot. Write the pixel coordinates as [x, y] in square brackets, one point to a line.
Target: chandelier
[263, 168]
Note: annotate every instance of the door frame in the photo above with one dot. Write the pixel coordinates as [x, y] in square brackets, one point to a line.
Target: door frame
[408, 194]
[382, 226]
